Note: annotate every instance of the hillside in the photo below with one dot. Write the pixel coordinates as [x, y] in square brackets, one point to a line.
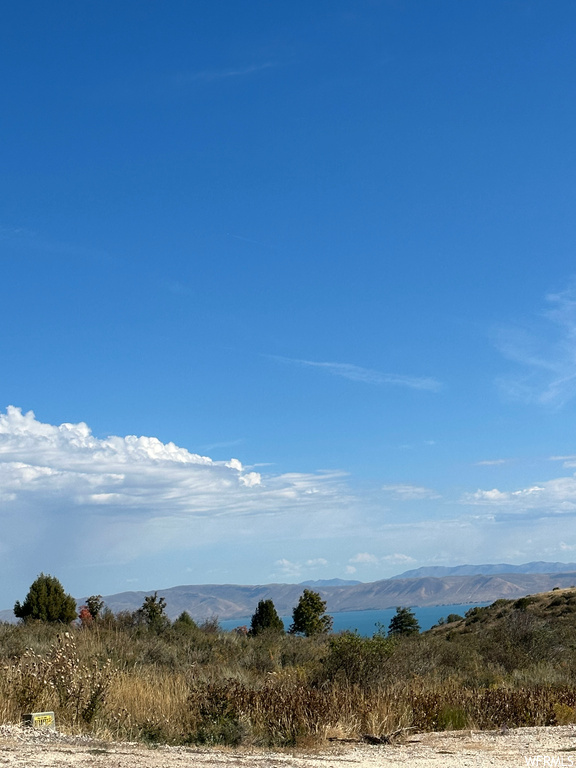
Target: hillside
[234, 601]
[230, 601]
[555, 609]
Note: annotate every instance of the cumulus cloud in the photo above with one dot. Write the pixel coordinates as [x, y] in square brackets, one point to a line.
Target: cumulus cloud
[364, 557]
[138, 506]
[487, 496]
[250, 479]
[125, 472]
[410, 492]
[557, 496]
[129, 495]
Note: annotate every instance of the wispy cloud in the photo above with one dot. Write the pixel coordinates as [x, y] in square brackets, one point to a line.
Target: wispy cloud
[410, 492]
[252, 241]
[369, 559]
[295, 570]
[209, 75]
[27, 240]
[398, 558]
[567, 461]
[225, 444]
[287, 569]
[545, 350]
[491, 462]
[365, 375]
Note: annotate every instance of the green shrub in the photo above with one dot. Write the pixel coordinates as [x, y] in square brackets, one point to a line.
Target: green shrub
[357, 660]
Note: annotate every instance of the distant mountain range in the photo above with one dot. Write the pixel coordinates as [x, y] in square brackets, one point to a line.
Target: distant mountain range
[471, 570]
[330, 583]
[234, 601]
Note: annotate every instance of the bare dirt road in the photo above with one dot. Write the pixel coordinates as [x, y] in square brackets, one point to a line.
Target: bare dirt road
[458, 749]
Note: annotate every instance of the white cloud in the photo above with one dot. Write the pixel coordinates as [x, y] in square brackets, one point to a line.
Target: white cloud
[557, 496]
[288, 569]
[131, 495]
[488, 496]
[135, 506]
[364, 557]
[398, 557]
[38, 458]
[366, 375]
[250, 479]
[410, 492]
[294, 570]
[491, 462]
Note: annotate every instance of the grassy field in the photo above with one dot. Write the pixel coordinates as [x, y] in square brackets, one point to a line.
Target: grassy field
[510, 664]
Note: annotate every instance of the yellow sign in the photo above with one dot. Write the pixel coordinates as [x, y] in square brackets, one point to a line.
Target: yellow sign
[41, 720]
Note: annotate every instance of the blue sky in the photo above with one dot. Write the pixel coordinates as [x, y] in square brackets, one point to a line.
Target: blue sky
[288, 290]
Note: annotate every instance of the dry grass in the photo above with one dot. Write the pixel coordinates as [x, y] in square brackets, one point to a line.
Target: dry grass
[511, 665]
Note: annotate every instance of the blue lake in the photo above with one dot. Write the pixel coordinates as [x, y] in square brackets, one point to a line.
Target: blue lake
[365, 622]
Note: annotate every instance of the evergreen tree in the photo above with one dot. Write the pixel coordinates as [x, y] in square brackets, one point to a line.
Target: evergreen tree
[94, 603]
[153, 612]
[309, 617]
[404, 622]
[185, 621]
[46, 601]
[266, 618]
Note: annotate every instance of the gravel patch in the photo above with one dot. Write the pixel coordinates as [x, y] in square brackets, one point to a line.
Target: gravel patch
[457, 749]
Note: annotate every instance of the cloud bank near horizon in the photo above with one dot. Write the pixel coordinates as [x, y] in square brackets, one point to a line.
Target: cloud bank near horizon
[137, 494]
[70, 500]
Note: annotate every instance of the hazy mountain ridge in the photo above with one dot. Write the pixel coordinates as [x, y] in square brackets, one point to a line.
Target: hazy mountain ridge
[230, 601]
[234, 601]
[331, 583]
[440, 571]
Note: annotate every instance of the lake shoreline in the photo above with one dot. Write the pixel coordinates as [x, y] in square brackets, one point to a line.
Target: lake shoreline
[366, 621]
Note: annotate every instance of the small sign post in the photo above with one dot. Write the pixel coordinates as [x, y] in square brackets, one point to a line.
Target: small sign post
[42, 720]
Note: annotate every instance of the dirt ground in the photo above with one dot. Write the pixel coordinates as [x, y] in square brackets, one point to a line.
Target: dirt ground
[457, 749]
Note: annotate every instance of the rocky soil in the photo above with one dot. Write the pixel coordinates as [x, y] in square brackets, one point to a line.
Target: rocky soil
[456, 749]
